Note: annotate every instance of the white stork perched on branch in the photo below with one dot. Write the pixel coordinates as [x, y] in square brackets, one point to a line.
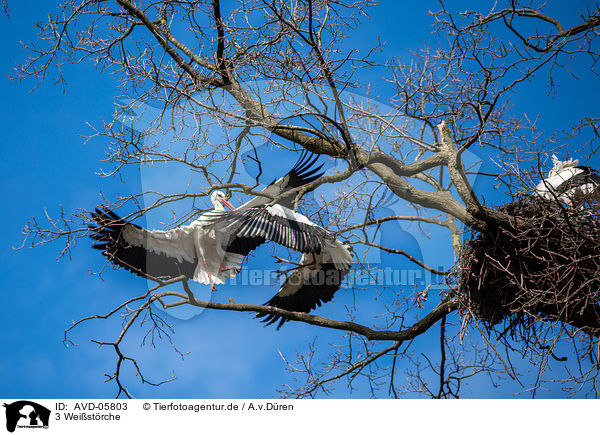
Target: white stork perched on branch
[569, 183]
[191, 250]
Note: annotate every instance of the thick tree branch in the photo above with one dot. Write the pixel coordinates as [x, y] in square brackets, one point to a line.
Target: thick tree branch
[445, 307]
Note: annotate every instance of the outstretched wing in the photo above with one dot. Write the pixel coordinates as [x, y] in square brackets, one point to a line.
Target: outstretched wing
[151, 254]
[302, 173]
[247, 228]
[306, 289]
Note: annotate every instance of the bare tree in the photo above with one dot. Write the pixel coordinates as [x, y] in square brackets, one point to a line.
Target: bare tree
[279, 71]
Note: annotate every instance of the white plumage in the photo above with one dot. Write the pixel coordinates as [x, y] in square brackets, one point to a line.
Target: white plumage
[324, 263]
[569, 183]
[189, 250]
[211, 248]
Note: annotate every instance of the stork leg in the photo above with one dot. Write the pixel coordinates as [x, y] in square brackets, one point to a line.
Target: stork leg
[298, 265]
[226, 269]
[212, 284]
[283, 260]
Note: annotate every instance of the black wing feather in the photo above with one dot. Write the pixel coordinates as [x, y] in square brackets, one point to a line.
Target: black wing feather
[244, 245]
[302, 173]
[588, 175]
[258, 224]
[108, 234]
[317, 289]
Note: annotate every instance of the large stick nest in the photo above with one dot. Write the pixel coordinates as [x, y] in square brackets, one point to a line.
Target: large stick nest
[543, 263]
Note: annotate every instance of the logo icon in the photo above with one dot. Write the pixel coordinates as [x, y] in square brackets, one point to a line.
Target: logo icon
[26, 414]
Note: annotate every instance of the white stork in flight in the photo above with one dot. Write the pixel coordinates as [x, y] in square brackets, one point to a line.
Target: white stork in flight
[211, 249]
[569, 183]
[322, 268]
[191, 250]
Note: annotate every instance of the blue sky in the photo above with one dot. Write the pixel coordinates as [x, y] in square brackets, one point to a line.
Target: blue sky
[45, 163]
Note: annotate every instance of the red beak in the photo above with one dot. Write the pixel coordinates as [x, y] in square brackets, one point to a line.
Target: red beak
[228, 204]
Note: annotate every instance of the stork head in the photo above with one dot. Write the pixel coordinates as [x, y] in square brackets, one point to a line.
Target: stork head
[218, 200]
[560, 166]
